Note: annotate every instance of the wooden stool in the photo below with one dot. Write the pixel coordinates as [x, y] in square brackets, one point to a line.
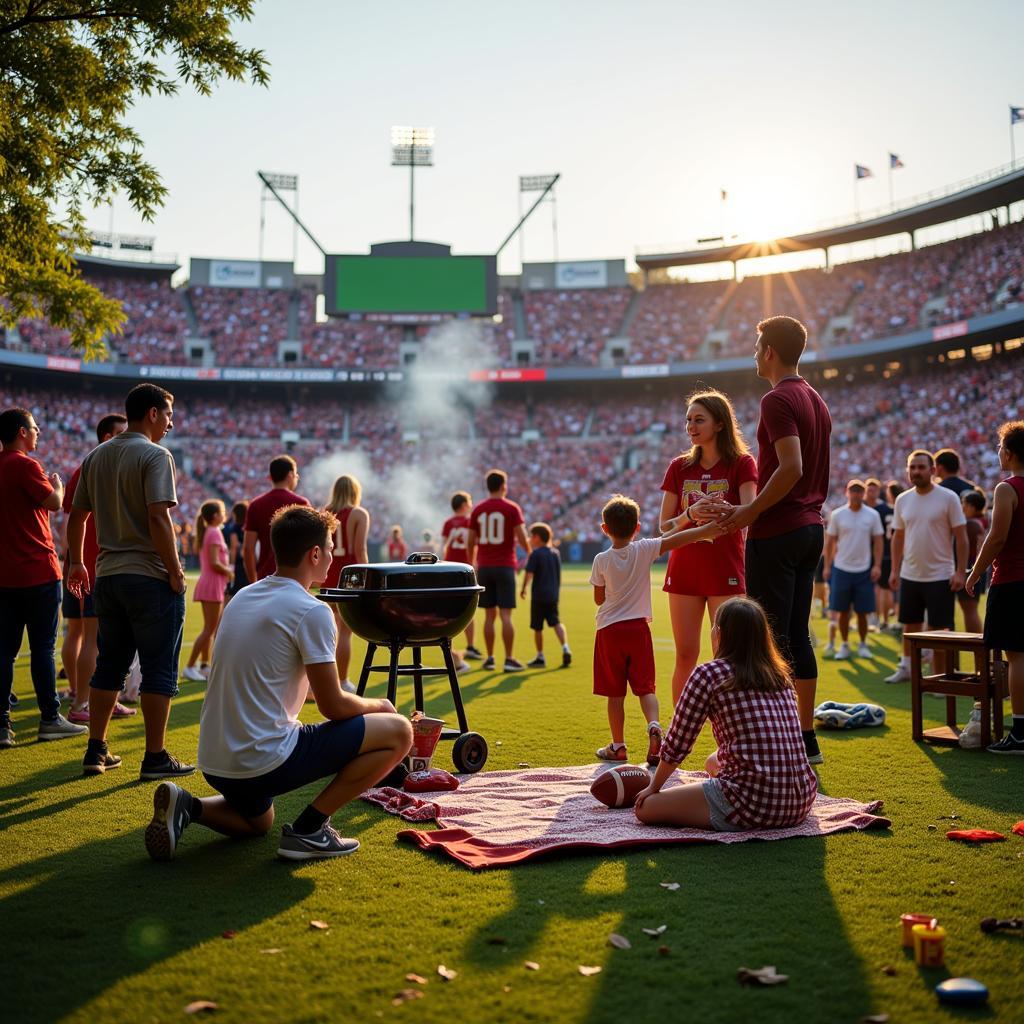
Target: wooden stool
[988, 686]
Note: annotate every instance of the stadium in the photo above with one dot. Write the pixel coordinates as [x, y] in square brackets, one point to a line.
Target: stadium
[840, 844]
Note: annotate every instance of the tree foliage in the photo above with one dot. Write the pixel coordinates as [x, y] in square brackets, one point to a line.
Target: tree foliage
[69, 74]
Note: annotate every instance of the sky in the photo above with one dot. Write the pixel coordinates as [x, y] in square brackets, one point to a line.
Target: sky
[646, 109]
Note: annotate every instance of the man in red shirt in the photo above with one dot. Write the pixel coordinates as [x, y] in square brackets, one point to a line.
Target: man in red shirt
[29, 575]
[284, 476]
[495, 526]
[455, 542]
[786, 530]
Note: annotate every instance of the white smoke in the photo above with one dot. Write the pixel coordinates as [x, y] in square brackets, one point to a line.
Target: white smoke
[438, 396]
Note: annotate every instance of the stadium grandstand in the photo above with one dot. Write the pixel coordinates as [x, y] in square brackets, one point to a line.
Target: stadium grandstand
[576, 385]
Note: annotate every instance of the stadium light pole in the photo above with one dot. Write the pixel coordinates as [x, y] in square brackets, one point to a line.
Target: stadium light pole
[412, 147]
[543, 183]
[273, 184]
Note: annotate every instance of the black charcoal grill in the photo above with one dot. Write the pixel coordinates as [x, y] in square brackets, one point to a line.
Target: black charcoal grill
[418, 603]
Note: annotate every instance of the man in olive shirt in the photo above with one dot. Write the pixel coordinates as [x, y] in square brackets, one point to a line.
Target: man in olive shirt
[128, 485]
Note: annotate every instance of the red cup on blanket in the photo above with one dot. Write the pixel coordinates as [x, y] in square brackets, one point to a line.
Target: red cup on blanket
[425, 734]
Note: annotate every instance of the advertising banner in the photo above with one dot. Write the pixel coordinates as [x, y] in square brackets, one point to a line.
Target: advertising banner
[591, 274]
[235, 273]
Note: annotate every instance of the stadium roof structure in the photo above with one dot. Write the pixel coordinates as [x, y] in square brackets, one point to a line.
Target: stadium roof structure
[981, 194]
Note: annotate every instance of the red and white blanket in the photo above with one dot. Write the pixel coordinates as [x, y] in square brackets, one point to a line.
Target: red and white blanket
[499, 818]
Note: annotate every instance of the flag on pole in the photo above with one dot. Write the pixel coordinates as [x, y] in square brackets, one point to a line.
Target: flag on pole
[862, 171]
[894, 162]
[1016, 115]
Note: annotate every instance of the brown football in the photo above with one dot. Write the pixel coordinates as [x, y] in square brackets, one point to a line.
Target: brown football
[619, 786]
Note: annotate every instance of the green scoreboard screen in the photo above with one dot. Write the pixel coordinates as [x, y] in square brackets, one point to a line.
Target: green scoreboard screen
[411, 284]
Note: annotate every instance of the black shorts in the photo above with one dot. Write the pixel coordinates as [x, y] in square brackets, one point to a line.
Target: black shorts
[321, 750]
[73, 608]
[542, 612]
[499, 583]
[933, 602]
[1002, 616]
[886, 572]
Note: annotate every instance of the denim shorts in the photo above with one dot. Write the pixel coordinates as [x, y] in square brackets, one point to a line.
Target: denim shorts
[138, 614]
[322, 749]
[719, 807]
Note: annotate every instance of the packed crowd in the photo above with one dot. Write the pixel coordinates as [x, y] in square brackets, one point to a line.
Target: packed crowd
[573, 326]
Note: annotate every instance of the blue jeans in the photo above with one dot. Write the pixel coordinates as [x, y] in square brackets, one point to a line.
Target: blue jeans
[138, 613]
[34, 609]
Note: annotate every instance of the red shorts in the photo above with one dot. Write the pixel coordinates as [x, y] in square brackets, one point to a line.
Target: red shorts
[624, 652]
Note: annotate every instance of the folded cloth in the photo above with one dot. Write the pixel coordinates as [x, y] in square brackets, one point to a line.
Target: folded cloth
[975, 835]
[1018, 829]
[833, 715]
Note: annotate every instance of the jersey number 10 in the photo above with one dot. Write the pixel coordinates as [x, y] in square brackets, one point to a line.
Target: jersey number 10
[492, 528]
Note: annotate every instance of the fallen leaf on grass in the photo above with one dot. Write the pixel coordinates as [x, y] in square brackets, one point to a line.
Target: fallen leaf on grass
[418, 978]
[320, 926]
[671, 886]
[876, 1018]
[405, 995]
[588, 971]
[765, 976]
[447, 973]
[201, 1006]
[523, 764]
[664, 950]
[506, 988]
[531, 965]
[619, 941]
[272, 951]
[229, 934]
[888, 969]
[655, 932]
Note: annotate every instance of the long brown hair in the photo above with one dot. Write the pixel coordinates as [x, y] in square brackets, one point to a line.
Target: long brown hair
[207, 511]
[745, 641]
[731, 443]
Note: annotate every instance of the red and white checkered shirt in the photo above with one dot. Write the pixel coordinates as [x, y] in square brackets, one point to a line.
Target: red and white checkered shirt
[764, 772]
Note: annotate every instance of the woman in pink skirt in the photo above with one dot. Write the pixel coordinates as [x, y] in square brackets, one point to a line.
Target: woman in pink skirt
[214, 575]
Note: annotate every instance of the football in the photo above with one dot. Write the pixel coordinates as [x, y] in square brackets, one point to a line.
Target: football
[619, 786]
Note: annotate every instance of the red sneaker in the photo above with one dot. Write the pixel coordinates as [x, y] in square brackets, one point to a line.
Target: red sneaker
[654, 736]
[611, 753]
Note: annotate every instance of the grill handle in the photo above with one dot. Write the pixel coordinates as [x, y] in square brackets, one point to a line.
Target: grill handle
[421, 558]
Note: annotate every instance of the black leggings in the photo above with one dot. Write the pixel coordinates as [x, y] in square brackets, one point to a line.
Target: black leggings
[780, 577]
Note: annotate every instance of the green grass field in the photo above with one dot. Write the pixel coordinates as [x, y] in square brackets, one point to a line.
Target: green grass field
[92, 930]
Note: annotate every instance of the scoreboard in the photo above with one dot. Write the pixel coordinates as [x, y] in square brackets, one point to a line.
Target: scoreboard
[409, 278]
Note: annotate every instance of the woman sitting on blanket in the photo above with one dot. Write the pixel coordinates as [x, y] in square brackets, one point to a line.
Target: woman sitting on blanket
[760, 777]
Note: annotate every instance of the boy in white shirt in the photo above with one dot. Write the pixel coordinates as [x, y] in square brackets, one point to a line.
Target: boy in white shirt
[623, 650]
[275, 640]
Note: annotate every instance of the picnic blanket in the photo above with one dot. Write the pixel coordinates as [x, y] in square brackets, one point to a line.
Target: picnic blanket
[496, 819]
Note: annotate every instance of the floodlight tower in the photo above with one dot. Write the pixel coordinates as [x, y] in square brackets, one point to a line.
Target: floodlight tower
[412, 148]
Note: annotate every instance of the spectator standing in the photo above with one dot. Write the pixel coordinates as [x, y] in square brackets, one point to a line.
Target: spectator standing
[543, 571]
[883, 592]
[29, 575]
[455, 539]
[214, 576]
[397, 548]
[786, 535]
[928, 521]
[257, 553]
[974, 504]
[234, 536]
[947, 472]
[1004, 551]
[128, 486]
[853, 564]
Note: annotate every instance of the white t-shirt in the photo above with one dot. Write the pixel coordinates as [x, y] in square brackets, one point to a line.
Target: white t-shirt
[269, 632]
[854, 532]
[625, 574]
[928, 521]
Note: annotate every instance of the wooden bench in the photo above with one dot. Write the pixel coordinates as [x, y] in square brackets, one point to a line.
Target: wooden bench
[986, 684]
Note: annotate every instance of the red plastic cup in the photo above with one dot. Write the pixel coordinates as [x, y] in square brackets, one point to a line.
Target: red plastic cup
[907, 922]
[425, 734]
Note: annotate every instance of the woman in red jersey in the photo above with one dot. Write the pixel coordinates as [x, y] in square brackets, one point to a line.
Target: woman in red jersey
[349, 549]
[717, 467]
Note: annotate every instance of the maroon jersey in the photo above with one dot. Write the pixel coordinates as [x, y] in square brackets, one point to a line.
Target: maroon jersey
[343, 548]
[494, 521]
[455, 537]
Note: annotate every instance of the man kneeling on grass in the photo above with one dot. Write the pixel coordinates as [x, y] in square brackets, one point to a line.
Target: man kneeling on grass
[275, 635]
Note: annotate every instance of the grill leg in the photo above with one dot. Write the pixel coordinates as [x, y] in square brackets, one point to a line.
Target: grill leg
[453, 681]
[364, 675]
[417, 676]
[396, 650]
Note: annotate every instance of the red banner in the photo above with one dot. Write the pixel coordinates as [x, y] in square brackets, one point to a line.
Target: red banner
[502, 376]
[949, 331]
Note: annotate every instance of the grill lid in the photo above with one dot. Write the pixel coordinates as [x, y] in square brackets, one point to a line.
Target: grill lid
[420, 571]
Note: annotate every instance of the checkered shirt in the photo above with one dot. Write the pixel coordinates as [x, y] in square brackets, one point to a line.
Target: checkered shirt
[764, 772]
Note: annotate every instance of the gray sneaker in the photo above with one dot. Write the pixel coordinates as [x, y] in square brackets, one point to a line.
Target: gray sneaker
[59, 729]
[7, 737]
[170, 819]
[325, 843]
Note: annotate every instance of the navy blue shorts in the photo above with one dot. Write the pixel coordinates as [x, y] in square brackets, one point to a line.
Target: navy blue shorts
[851, 588]
[543, 611]
[322, 749]
[72, 607]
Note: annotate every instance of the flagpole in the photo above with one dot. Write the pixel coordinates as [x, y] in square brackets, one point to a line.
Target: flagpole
[1013, 152]
[891, 204]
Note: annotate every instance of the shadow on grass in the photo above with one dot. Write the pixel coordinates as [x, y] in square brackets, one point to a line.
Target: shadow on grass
[978, 778]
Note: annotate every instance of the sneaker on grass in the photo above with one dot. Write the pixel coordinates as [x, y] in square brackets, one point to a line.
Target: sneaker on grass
[192, 674]
[566, 659]
[829, 650]
[843, 654]
[511, 665]
[170, 819]
[7, 737]
[901, 675]
[348, 686]
[488, 665]
[473, 654]
[1009, 744]
[538, 662]
[79, 714]
[863, 651]
[59, 728]
[121, 711]
[167, 767]
[325, 843]
[98, 761]
[654, 737]
[612, 753]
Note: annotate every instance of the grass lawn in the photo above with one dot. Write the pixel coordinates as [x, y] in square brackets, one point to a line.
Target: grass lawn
[92, 930]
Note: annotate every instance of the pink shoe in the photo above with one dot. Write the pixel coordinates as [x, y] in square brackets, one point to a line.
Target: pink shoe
[81, 715]
[120, 711]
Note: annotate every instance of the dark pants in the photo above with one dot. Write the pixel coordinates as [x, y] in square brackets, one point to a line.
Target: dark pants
[33, 609]
[138, 613]
[780, 577]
